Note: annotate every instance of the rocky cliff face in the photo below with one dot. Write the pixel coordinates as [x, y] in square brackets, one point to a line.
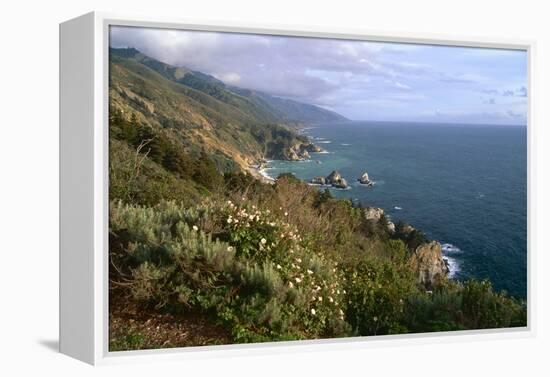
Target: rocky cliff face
[427, 260]
[374, 214]
[297, 152]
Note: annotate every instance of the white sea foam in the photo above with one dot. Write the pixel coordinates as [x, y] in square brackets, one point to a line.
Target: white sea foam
[318, 185]
[450, 248]
[324, 142]
[345, 144]
[264, 174]
[398, 208]
[453, 265]
[323, 152]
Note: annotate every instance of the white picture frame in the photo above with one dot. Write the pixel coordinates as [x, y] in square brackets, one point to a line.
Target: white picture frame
[84, 43]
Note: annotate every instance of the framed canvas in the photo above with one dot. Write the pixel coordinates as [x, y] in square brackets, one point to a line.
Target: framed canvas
[242, 189]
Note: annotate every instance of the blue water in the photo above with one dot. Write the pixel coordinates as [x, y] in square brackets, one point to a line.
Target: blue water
[463, 185]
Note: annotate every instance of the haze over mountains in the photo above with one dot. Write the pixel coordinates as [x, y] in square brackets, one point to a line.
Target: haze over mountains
[233, 124]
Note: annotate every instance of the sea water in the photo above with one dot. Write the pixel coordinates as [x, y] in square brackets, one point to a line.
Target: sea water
[463, 185]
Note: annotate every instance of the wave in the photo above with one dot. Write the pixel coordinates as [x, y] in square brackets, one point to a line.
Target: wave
[397, 208]
[454, 267]
[324, 142]
[345, 144]
[264, 174]
[318, 185]
[323, 152]
[450, 248]
[452, 263]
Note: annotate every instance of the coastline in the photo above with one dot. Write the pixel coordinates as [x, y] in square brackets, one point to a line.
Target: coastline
[260, 172]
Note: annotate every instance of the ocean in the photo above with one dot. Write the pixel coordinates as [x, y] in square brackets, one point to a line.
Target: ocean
[463, 185]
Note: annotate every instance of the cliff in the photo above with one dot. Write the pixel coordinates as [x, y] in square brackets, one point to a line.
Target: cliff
[428, 263]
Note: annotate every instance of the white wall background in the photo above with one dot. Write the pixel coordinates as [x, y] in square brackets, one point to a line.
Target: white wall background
[29, 185]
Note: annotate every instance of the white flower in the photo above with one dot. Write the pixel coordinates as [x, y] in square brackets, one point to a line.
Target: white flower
[229, 220]
[298, 280]
[195, 228]
[290, 284]
[251, 217]
[330, 299]
[320, 298]
[230, 248]
[341, 312]
[375, 318]
[298, 260]
[309, 272]
[286, 213]
[279, 267]
[263, 241]
[312, 311]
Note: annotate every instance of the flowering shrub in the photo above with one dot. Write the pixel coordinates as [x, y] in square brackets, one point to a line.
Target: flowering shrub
[262, 281]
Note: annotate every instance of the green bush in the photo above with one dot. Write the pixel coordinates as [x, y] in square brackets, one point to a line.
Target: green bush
[260, 290]
[376, 294]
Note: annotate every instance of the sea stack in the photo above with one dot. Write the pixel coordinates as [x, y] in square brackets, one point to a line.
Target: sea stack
[364, 179]
[336, 180]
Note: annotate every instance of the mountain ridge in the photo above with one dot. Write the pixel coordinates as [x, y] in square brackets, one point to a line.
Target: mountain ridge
[283, 109]
[197, 113]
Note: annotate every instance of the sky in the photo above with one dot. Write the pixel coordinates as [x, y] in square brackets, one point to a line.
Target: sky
[361, 80]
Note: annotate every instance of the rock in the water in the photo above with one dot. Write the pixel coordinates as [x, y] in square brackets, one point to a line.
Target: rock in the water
[373, 213]
[333, 177]
[318, 181]
[342, 184]
[336, 180]
[364, 179]
[427, 260]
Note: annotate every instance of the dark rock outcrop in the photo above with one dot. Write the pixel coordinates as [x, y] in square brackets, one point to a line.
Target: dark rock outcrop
[300, 151]
[342, 184]
[429, 264]
[336, 180]
[364, 179]
[319, 181]
[374, 214]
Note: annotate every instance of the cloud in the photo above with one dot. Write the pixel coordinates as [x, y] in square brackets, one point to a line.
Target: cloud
[360, 79]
